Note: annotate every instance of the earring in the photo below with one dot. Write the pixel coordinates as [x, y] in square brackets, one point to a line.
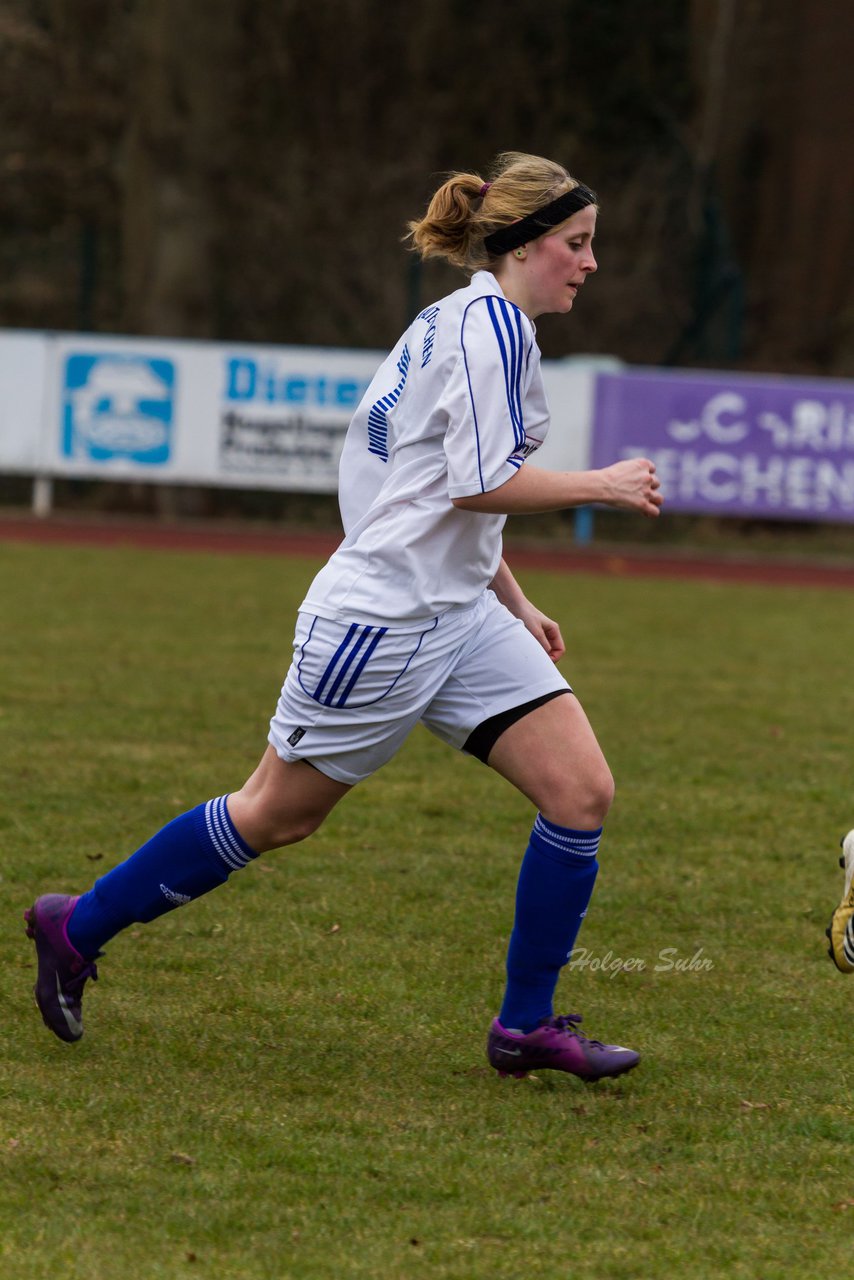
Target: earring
[520, 253]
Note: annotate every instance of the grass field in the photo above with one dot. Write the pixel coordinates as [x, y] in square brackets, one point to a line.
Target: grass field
[287, 1078]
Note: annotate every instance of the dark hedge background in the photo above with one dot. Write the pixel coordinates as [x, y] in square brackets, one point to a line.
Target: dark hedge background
[244, 171]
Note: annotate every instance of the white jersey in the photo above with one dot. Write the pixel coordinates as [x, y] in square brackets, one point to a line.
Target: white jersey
[454, 410]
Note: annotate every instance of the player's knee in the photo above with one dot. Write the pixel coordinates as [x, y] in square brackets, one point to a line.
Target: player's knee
[602, 794]
[267, 824]
[582, 802]
[290, 828]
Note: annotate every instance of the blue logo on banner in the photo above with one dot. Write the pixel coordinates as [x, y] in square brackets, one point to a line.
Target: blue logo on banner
[118, 406]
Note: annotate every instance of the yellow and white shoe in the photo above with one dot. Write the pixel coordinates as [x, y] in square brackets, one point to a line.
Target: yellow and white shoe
[840, 931]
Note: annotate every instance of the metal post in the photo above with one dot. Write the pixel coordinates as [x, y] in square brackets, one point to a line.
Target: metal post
[583, 525]
[42, 496]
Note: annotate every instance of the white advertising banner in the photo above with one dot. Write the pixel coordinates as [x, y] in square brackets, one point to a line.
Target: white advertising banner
[274, 417]
[201, 413]
[23, 378]
[175, 412]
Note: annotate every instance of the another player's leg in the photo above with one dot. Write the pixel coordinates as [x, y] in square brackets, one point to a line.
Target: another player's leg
[280, 804]
[840, 931]
[552, 756]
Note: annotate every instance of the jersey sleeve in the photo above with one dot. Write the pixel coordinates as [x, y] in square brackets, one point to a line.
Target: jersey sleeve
[485, 441]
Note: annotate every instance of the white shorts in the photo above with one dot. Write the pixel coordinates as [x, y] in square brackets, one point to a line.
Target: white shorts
[355, 692]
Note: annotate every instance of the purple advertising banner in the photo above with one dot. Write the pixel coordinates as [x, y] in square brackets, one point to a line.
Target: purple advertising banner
[734, 444]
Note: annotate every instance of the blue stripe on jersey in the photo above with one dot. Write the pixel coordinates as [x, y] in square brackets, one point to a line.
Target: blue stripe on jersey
[471, 397]
[379, 411]
[508, 330]
[507, 325]
[517, 383]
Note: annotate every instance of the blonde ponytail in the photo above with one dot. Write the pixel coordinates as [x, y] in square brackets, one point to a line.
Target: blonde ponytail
[465, 209]
[448, 228]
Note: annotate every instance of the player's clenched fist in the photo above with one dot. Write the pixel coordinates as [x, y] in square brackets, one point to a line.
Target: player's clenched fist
[633, 484]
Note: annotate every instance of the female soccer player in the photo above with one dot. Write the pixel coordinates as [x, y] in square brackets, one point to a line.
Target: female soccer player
[416, 617]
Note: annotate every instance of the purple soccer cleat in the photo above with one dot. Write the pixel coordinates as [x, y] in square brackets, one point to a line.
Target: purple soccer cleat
[556, 1045]
[63, 972]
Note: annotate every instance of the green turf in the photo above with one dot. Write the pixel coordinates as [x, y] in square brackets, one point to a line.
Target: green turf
[287, 1079]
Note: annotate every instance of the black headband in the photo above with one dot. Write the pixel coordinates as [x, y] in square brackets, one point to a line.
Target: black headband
[540, 221]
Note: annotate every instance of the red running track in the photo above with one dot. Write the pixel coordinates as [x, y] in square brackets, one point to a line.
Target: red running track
[229, 539]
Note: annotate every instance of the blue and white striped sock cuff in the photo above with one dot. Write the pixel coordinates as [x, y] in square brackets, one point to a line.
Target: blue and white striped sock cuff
[560, 841]
[224, 837]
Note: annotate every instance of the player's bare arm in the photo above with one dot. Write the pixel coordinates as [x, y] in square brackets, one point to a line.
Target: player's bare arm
[544, 629]
[631, 485]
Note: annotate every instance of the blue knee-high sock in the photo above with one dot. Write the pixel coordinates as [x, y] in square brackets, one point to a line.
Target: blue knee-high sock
[188, 857]
[555, 884]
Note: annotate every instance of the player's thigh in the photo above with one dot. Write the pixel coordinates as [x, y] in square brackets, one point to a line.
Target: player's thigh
[501, 666]
[283, 802]
[553, 757]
